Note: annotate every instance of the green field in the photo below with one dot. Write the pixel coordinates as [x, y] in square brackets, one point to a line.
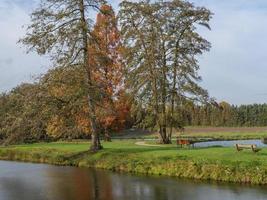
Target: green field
[226, 133]
[214, 163]
[214, 133]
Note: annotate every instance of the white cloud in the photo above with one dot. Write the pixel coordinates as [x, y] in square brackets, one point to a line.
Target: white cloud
[235, 68]
[15, 65]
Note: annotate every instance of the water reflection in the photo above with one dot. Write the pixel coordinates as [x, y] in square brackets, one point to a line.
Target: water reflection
[230, 143]
[43, 182]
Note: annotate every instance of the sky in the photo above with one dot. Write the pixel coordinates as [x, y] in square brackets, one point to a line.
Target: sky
[235, 69]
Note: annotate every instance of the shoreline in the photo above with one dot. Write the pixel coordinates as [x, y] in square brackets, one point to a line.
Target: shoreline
[135, 163]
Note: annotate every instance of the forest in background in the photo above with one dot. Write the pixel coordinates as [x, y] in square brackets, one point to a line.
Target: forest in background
[51, 109]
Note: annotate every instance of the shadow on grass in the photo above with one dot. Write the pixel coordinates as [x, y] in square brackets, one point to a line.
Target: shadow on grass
[136, 150]
[154, 149]
[80, 155]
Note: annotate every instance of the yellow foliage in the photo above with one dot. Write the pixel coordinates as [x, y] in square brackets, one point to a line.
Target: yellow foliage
[55, 127]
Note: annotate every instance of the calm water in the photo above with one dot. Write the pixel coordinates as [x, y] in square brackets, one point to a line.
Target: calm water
[230, 143]
[20, 181]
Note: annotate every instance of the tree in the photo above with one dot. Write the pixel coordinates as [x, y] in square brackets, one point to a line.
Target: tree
[65, 103]
[226, 113]
[106, 59]
[162, 44]
[61, 28]
[21, 115]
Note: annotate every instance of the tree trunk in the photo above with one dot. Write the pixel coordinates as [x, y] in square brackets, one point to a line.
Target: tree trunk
[95, 145]
[95, 141]
[173, 92]
[165, 136]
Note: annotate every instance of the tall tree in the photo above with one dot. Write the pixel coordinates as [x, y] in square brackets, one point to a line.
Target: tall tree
[61, 28]
[162, 47]
[105, 50]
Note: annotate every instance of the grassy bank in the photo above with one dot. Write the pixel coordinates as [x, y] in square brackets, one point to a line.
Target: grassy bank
[216, 163]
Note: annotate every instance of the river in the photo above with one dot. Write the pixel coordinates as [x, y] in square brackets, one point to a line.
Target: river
[230, 143]
[24, 181]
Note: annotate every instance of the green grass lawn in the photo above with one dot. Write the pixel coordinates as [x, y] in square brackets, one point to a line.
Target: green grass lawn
[216, 163]
[227, 155]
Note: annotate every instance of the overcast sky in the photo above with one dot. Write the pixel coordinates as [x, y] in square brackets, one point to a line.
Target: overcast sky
[235, 70]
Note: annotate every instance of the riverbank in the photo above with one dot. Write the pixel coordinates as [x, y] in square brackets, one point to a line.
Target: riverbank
[214, 163]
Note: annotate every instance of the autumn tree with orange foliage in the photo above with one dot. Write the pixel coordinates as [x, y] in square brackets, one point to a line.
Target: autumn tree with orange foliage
[106, 59]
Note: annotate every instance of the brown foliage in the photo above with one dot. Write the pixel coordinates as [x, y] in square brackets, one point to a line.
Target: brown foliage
[106, 60]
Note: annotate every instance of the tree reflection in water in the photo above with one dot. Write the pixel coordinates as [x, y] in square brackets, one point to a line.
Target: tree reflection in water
[44, 182]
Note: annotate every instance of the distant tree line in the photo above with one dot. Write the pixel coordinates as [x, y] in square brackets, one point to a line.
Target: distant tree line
[224, 114]
[52, 109]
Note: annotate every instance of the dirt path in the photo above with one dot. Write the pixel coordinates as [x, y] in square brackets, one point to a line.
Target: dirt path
[142, 143]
